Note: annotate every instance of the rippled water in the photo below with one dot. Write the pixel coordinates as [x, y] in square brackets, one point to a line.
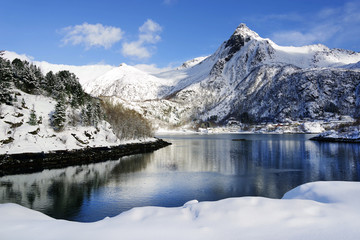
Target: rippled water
[202, 167]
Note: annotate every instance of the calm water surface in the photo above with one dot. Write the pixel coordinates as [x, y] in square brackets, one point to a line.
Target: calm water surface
[202, 167]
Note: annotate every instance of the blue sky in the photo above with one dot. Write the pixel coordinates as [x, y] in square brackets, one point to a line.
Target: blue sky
[166, 32]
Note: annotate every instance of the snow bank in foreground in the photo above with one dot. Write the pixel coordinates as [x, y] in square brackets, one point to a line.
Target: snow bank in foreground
[320, 210]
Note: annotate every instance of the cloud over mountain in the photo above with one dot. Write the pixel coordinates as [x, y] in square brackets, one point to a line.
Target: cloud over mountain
[92, 35]
[148, 36]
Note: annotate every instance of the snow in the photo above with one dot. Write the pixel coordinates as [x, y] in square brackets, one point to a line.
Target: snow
[314, 56]
[244, 31]
[191, 63]
[86, 73]
[319, 210]
[128, 82]
[312, 127]
[352, 133]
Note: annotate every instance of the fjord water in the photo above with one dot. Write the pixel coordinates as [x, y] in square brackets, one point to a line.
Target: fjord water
[202, 167]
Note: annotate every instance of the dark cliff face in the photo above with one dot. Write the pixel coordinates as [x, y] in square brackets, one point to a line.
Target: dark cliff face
[287, 92]
[235, 43]
[240, 37]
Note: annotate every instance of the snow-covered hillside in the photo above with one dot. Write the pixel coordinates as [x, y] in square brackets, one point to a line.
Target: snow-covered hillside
[85, 73]
[128, 83]
[247, 79]
[17, 135]
[320, 210]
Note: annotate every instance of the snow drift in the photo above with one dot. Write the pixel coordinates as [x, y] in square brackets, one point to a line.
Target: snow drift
[320, 210]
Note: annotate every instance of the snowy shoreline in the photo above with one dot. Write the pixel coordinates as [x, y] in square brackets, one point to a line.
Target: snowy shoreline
[29, 162]
[335, 139]
[349, 134]
[291, 127]
[318, 210]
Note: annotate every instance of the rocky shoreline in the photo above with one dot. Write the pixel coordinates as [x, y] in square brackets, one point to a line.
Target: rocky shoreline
[346, 134]
[330, 139]
[35, 162]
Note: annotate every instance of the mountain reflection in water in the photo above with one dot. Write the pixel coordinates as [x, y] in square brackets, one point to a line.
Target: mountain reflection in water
[202, 167]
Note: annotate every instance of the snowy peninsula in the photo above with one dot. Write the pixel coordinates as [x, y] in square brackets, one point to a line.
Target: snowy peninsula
[48, 121]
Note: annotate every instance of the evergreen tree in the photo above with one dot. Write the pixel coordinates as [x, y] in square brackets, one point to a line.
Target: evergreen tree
[59, 116]
[23, 104]
[50, 80]
[97, 113]
[6, 78]
[33, 119]
[27, 76]
[87, 114]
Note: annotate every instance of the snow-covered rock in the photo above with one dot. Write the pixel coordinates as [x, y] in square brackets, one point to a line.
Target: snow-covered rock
[347, 134]
[312, 127]
[320, 210]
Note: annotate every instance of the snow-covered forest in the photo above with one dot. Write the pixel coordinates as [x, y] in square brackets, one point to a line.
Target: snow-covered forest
[54, 109]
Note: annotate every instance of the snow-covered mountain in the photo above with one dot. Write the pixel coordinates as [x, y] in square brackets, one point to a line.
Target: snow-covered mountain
[127, 82]
[248, 78]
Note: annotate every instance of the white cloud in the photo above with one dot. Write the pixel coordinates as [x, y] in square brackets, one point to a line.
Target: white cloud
[152, 68]
[135, 49]
[149, 32]
[318, 34]
[92, 35]
[148, 36]
[169, 2]
[329, 25]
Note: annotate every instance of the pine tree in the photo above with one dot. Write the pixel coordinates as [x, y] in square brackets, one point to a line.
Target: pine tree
[27, 76]
[97, 113]
[50, 80]
[59, 116]
[6, 79]
[23, 103]
[89, 114]
[33, 119]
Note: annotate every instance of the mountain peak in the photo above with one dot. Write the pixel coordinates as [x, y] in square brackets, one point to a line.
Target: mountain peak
[240, 37]
[245, 32]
